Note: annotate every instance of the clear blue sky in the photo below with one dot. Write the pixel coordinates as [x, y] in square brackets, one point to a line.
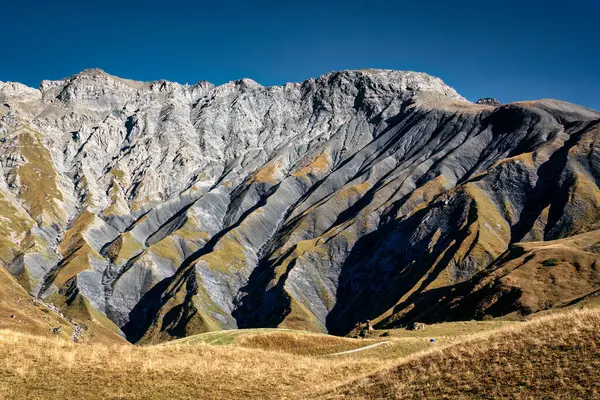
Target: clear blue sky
[511, 50]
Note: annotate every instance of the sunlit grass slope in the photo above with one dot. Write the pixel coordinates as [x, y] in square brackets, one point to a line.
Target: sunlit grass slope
[551, 356]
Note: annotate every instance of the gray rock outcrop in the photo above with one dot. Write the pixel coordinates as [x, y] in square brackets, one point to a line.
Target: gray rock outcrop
[489, 101]
[175, 209]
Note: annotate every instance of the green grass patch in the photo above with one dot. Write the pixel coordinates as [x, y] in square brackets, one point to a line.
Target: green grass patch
[551, 262]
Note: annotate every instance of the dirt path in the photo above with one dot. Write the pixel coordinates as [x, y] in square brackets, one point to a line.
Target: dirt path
[361, 348]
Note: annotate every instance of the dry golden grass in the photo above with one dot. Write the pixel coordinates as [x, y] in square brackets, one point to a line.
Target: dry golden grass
[280, 340]
[40, 368]
[556, 355]
[448, 330]
[546, 275]
[19, 314]
[319, 165]
[38, 180]
[302, 344]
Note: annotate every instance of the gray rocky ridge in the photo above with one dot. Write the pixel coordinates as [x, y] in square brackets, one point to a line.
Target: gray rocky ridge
[175, 209]
[489, 101]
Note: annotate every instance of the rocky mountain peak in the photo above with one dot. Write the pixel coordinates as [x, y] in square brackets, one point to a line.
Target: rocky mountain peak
[96, 83]
[93, 72]
[399, 82]
[247, 83]
[172, 209]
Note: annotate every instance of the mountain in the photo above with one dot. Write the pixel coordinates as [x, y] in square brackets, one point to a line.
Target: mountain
[384, 195]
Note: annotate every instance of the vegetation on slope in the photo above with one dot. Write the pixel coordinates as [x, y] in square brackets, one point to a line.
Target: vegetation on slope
[528, 278]
[281, 340]
[19, 314]
[554, 356]
[38, 180]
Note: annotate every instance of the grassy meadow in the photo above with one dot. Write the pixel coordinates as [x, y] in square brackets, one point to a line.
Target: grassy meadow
[553, 356]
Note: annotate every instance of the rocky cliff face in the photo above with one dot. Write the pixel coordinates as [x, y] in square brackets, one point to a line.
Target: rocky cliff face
[175, 209]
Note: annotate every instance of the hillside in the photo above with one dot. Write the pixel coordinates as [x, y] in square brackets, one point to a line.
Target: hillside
[530, 277]
[20, 313]
[551, 357]
[159, 210]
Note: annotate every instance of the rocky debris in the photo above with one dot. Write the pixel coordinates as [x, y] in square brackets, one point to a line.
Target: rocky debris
[417, 326]
[176, 209]
[77, 329]
[362, 330]
[37, 302]
[489, 101]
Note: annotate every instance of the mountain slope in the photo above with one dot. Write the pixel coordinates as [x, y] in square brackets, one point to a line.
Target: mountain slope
[551, 358]
[527, 278]
[176, 209]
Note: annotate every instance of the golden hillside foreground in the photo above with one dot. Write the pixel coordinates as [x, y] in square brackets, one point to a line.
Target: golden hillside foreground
[554, 356]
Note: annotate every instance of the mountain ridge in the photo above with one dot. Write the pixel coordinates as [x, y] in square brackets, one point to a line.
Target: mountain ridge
[175, 209]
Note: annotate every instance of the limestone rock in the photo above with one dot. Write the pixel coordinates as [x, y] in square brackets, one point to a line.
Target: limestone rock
[489, 101]
[174, 209]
